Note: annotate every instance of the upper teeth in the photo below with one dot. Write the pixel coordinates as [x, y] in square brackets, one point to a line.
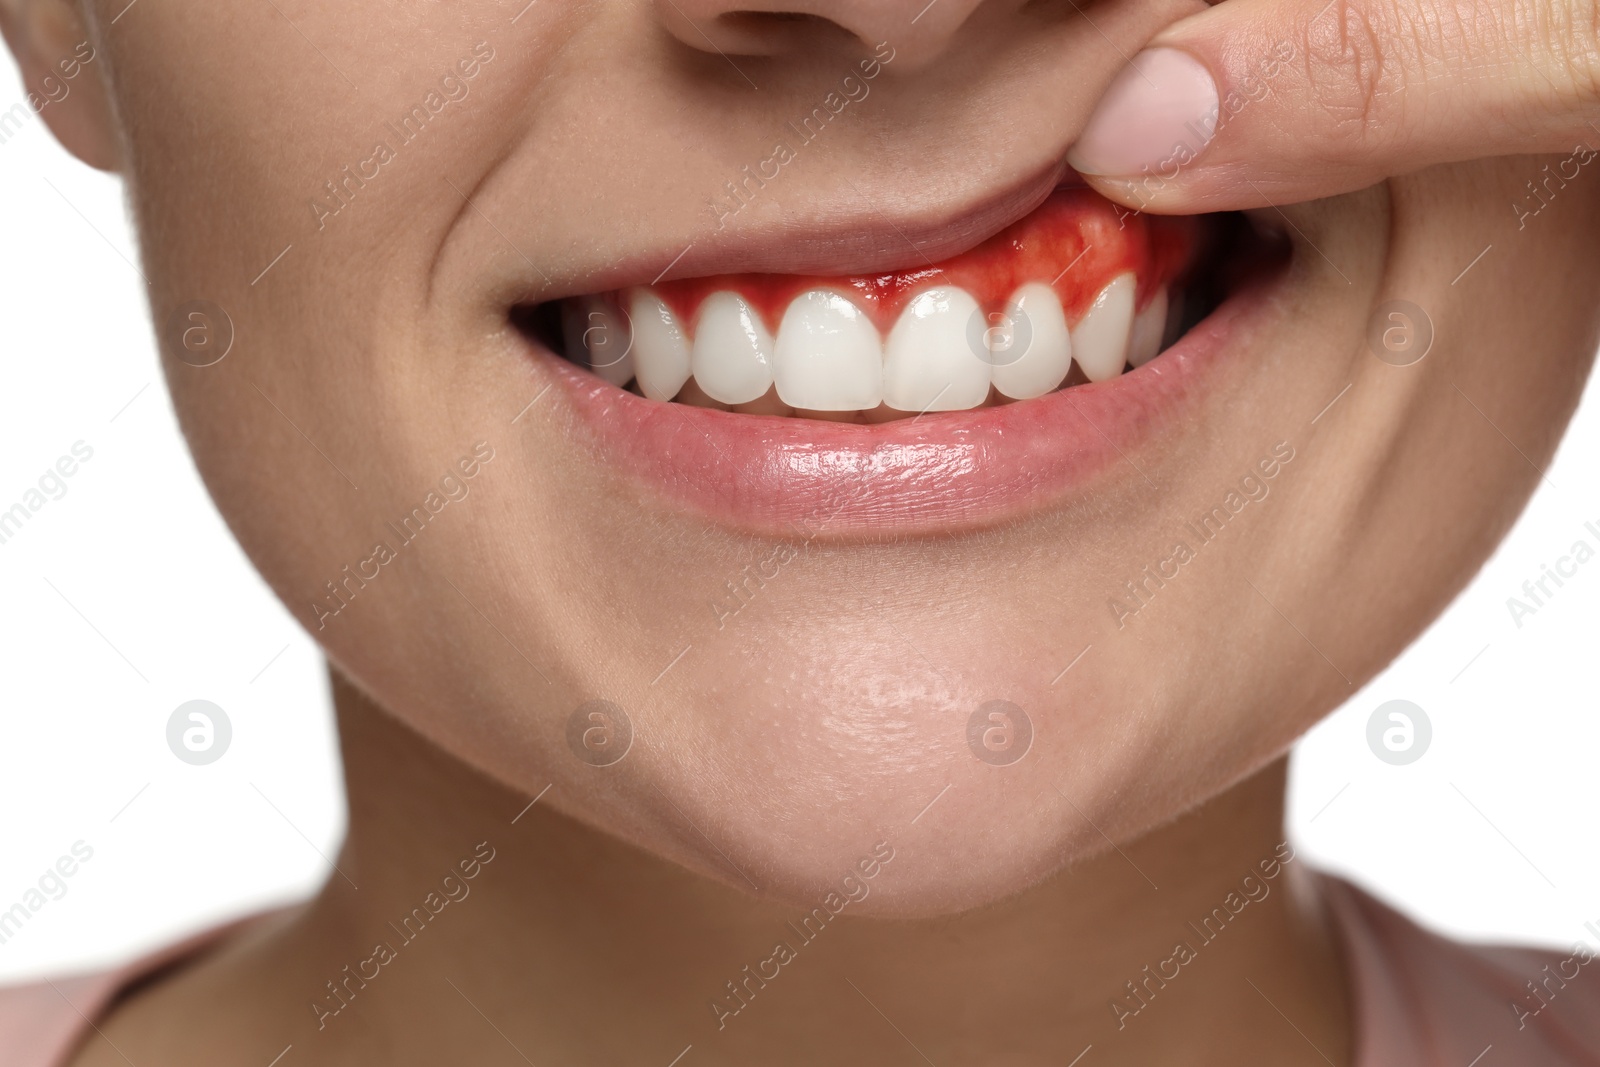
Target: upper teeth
[660, 349]
[732, 356]
[1032, 365]
[942, 354]
[929, 363]
[828, 356]
[1100, 338]
[1149, 327]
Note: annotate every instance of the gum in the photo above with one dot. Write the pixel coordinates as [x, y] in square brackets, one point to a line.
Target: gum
[1076, 240]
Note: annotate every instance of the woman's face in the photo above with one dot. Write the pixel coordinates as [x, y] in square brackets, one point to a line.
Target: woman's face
[1166, 576]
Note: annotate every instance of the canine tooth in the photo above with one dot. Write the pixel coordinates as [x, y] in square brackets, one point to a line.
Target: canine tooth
[598, 338]
[828, 356]
[1144, 340]
[1038, 354]
[929, 362]
[732, 354]
[660, 350]
[1100, 339]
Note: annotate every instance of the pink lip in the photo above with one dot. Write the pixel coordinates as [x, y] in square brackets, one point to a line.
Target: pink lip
[933, 474]
[859, 240]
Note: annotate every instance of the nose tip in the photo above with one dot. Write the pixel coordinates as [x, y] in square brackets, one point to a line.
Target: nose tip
[919, 31]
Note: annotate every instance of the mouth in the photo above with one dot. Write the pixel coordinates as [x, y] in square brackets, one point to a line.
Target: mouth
[936, 396]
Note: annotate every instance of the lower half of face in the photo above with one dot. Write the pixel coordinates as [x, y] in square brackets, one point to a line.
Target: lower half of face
[781, 477]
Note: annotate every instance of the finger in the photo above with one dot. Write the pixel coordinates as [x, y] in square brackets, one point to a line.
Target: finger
[1257, 102]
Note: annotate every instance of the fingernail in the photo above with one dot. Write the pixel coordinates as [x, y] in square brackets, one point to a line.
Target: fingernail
[1161, 110]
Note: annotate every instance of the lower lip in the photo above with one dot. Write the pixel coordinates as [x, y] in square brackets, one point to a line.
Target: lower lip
[936, 473]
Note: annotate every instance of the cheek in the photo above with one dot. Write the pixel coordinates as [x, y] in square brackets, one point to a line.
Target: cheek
[313, 433]
[293, 160]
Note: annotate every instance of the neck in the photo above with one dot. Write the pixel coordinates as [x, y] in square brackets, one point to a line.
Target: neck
[1202, 942]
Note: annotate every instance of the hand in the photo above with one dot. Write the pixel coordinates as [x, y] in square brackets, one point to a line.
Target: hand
[1266, 102]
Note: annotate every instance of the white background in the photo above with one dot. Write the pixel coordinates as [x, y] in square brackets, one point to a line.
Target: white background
[128, 597]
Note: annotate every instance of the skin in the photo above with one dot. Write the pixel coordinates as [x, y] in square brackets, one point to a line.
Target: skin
[831, 712]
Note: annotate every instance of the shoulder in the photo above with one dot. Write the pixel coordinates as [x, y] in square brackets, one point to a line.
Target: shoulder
[1421, 998]
[42, 1022]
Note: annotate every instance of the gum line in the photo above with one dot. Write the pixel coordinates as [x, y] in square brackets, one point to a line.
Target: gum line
[1076, 241]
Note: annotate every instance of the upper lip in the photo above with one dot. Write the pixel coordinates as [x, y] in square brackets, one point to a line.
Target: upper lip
[863, 236]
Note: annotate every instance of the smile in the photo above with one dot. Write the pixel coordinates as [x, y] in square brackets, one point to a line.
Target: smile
[944, 393]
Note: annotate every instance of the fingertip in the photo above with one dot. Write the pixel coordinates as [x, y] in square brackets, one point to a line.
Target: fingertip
[1156, 115]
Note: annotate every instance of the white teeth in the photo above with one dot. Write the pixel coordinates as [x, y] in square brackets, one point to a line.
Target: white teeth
[942, 354]
[1036, 354]
[1100, 339]
[1144, 341]
[928, 361]
[828, 356]
[732, 354]
[595, 332]
[660, 351]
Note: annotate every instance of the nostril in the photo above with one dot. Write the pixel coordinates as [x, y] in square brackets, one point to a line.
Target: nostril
[750, 32]
[921, 31]
[757, 20]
